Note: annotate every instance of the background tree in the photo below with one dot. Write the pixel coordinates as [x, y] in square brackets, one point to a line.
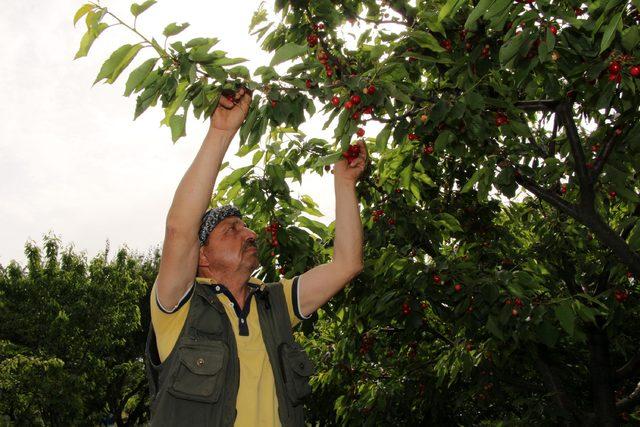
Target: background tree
[501, 205]
[72, 337]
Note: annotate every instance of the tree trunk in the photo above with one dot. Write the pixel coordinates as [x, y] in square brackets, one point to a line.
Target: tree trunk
[601, 378]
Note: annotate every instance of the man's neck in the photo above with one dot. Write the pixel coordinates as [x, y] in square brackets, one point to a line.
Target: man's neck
[235, 282]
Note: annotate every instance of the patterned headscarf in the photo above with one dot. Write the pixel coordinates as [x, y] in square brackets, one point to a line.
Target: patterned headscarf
[212, 217]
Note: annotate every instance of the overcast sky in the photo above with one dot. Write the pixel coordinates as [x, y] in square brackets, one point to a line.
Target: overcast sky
[72, 160]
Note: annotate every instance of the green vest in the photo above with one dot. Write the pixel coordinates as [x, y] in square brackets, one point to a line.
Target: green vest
[198, 382]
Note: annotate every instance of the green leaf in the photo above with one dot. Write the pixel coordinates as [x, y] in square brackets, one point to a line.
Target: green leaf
[426, 40]
[443, 141]
[382, 138]
[287, 52]
[509, 50]
[634, 237]
[493, 327]
[566, 316]
[137, 9]
[174, 28]
[233, 177]
[229, 61]
[117, 62]
[547, 333]
[477, 12]
[450, 8]
[631, 37]
[474, 178]
[177, 124]
[449, 221]
[138, 76]
[610, 32]
[202, 41]
[83, 10]
[328, 159]
[88, 38]
[180, 95]
[405, 175]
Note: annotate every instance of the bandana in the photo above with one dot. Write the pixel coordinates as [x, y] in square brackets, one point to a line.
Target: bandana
[212, 217]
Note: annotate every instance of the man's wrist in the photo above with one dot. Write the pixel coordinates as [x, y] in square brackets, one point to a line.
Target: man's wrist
[346, 183]
[220, 136]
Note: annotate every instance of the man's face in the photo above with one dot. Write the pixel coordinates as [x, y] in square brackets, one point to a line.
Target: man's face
[231, 246]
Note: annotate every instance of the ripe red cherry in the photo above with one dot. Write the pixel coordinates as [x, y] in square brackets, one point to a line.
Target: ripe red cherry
[392, 221]
[457, 287]
[312, 39]
[553, 30]
[413, 136]
[367, 110]
[618, 131]
[371, 89]
[629, 274]
[327, 168]
[635, 71]
[356, 115]
[321, 26]
[308, 84]
[274, 103]
[355, 99]
[335, 101]
[427, 149]
[446, 44]
[563, 189]
[612, 194]
[348, 105]
[501, 119]
[323, 57]
[329, 72]
[614, 67]
[360, 132]
[436, 279]
[515, 312]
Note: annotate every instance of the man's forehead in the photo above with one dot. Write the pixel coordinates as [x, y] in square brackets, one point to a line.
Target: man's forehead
[231, 220]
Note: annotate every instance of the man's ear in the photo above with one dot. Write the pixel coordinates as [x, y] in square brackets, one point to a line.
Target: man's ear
[202, 259]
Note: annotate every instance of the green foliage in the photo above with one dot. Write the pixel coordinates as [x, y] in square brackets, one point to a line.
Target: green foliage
[73, 335]
[500, 204]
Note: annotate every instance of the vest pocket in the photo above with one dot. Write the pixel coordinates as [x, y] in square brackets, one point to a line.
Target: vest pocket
[296, 369]
[200, 373]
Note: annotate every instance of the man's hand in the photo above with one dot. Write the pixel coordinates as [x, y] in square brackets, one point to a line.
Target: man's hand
[351, 172]
[231, 112]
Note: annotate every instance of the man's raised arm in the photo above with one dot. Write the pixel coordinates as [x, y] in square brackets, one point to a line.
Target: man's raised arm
[181, 247]
[318, 285]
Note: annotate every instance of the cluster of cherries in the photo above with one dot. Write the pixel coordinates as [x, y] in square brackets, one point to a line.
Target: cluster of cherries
[615, 69]
[517, 302]
[621, 295]
[273, 229]
[377, 214]
[406, 308]
[352, 153]
[501, 119]
[353, 101]
[366, 344]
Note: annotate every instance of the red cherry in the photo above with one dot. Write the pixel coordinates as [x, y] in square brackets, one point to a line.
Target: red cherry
[436, 279]
[553, 30]
[515, 312]
[274, 103]
[446, 44]
[312, 39]
[413, 136]
[348, 105]
[273, 253]
[355, 99]
[360, 132]
[356, 115]
[615, 77]
[612, 194]
[367, 110]
[635, 71]
[614, 67]
[321, 26]
[563, 189]
[618, 131]
[501, 119]
[323, 57]
[427, 149]
[578, 11]
[329, 72]
[335, 101]
[398, 190]
[629, 274]
[308, 84]
[457, 287]
[371, 89]
[507, 301]
[392, 221]
[327, 168]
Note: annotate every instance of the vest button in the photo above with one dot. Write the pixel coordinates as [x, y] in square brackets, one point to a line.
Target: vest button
[200, 362]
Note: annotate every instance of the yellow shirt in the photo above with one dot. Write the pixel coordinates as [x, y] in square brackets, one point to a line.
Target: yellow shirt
[257, 402]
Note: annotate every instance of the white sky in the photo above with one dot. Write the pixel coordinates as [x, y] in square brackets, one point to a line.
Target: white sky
[72, 160]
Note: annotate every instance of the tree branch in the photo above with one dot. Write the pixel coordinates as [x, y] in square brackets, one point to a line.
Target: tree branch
[630, 401]
[628, 368]
[549, 197]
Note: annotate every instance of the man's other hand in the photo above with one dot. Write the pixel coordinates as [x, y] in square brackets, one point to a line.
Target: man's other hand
[231, 110]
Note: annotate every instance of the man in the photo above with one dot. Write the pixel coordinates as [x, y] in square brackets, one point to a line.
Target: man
[214, 354]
